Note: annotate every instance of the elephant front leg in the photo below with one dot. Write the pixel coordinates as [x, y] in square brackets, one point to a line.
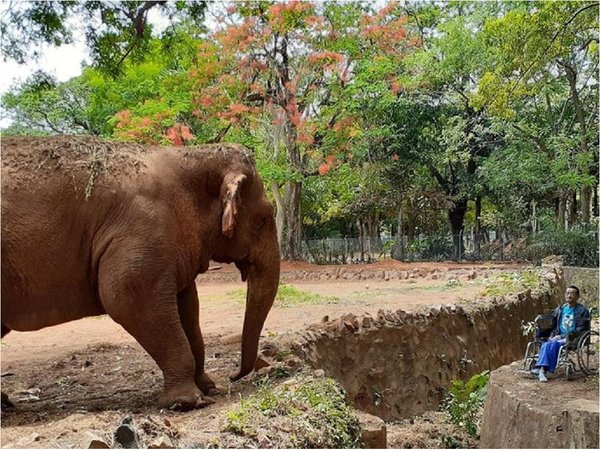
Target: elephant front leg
[189, 316]
[149, 312]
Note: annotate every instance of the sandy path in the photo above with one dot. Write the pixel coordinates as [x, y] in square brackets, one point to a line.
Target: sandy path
[221, 314]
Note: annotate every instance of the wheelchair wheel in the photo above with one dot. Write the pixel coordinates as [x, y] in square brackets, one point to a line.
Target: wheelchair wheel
[587, 352]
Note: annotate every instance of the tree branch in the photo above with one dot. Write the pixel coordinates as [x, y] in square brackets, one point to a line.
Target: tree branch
[564, 25]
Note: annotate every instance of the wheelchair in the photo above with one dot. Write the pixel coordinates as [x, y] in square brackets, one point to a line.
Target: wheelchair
[578, 355]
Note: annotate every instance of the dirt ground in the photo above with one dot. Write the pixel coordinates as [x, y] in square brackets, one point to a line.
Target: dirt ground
[79, 380]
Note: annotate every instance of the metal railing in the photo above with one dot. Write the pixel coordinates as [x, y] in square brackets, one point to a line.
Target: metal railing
[487, 246]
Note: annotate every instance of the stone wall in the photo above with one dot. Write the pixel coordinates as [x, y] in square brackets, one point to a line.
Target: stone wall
[398, 364]
[356, 273]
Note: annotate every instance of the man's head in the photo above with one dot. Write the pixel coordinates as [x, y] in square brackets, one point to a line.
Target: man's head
[572, 295]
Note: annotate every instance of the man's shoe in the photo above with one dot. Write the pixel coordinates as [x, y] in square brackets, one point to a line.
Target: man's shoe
[542, 377]
[535, 371]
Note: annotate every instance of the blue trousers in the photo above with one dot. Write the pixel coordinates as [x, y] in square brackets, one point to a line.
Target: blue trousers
[549, 355]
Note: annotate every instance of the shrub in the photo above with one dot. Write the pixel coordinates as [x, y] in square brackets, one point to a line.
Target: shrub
[437, 247]
[510, 283]
[306, 412]
[464, 401]
[579, 247]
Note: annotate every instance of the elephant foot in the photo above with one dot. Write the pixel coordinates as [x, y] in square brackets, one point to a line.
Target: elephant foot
[207, 385]
[184, 399]
[6, 403]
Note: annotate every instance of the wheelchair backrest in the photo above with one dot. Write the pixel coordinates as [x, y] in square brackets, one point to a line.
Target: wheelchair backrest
[543, 326]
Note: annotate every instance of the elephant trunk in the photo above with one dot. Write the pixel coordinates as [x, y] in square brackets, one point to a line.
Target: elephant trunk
[263, 281]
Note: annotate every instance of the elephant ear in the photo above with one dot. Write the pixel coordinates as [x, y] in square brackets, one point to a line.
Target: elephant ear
[231, 202]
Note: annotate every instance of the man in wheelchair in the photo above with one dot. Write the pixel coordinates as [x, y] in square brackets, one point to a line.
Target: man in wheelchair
[569, 321]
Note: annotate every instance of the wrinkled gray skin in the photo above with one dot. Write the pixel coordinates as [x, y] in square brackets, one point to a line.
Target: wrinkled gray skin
[91, 228]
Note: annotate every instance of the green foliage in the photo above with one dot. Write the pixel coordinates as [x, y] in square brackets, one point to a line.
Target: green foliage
[510, 283]
[430, 247]
[45, 106]
[312, 410]
[464, 401]
[579, 247]
[288, 296]
[114, 31]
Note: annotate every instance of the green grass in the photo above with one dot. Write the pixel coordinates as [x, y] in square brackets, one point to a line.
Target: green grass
[288, 296]
[304, 412]
[511, 283]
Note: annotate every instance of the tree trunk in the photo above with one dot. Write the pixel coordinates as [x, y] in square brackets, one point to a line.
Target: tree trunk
[585, 197]
[534, 221]
[410, 231]
[572, 210]
[571, 75]
[292, 250]
[596, 206]
[477, 240]
[562, 212]
[457, 218]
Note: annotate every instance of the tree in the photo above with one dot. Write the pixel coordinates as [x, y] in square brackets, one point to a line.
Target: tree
[452, 137]
[289, 67]
[45, 106]
[115, 31]
[545, 61]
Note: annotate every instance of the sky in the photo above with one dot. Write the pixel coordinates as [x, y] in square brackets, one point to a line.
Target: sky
[64, 62]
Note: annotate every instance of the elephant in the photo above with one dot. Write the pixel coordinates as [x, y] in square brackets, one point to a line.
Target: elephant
[92, 227]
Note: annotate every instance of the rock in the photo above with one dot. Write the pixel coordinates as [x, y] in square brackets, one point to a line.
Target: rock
[350, 322]
[374, 432]
[434, 311]
[349, 326]
[401, 314]
[325, 319]
[293, 363]
[367, 322]
[471, 275]
[319, 373]
[161, 442]
[125, 435]
[94, 441]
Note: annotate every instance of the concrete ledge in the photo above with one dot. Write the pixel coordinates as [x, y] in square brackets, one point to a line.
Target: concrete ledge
[524, 413]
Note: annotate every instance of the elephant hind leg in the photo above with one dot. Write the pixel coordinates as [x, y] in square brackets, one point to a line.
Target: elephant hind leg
[187, 302]
[148, 311]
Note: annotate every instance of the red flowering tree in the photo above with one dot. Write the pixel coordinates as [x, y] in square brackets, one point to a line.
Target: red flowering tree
[285, 72]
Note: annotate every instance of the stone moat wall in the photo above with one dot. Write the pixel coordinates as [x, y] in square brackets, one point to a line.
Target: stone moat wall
[397, 364]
